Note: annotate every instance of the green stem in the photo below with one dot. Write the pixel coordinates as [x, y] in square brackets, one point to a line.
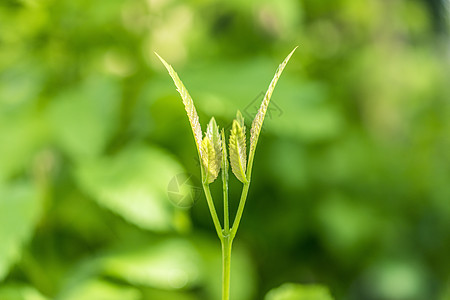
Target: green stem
[240, 210]
[226, 209]
[226, 264]
[212, 210]
[226, 214]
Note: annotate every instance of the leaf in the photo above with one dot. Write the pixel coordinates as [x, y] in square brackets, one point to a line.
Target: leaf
[260, 115]
[22, 134]
[238, 150]
[134, 185]
[20, 292]
[291, 291]
[170, 264]
[158, 294]
[240, 119]
[188, 105]
[20, 208]
[209, 160]
[212, 132]
[84, 118]
[96, 289]
[211, 151]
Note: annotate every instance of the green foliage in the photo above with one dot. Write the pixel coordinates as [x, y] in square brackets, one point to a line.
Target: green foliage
[290, 291]
[102, 290]
[20, 210]
[169, 265]
[133, 184]
[22, 133]
[85, 135]
[20, 292]
[350, 186]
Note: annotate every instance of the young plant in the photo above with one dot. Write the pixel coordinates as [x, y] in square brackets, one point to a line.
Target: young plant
[212, 152]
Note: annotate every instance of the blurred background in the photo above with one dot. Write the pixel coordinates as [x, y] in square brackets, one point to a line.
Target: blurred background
[99, 173]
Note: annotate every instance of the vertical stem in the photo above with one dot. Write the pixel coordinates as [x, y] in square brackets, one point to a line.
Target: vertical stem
[226, 239]
[226, 264]
[226, 214]
[212, 210]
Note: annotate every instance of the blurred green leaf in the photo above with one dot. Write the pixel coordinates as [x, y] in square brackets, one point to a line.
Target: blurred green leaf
[101, 290]
[347, 225]
[20, 84]
[21, 135]
[169, 264]
[157, 294]
[291, 291]
[446, 292]
[20, 292]
[397, 279]
[84, 118]
[20, 208]
[133, 184]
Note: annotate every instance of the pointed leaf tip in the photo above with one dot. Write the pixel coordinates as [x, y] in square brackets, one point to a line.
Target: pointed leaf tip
[188, 105]
[240, 118]
[260, 115]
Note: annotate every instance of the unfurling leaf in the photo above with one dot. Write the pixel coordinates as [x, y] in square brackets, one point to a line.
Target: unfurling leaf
[188, 105]
[259, 118]
[209, 160]
[212, 132]
[238, 150]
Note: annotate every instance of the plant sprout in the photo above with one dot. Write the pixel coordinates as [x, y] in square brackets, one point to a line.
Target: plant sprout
[212, 152]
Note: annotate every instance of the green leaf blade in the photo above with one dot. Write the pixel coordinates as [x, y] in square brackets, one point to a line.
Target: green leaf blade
[209, 160]
[260, 115]
[188, 105]
[238, 149]
[212, 132]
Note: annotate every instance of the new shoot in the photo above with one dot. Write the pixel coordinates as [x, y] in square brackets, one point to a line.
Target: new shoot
[214, 158]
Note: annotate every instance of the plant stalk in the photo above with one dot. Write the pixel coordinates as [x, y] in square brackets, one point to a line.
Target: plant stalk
[240, 211]
[226, 207]
[212, 210]
[226, 266]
